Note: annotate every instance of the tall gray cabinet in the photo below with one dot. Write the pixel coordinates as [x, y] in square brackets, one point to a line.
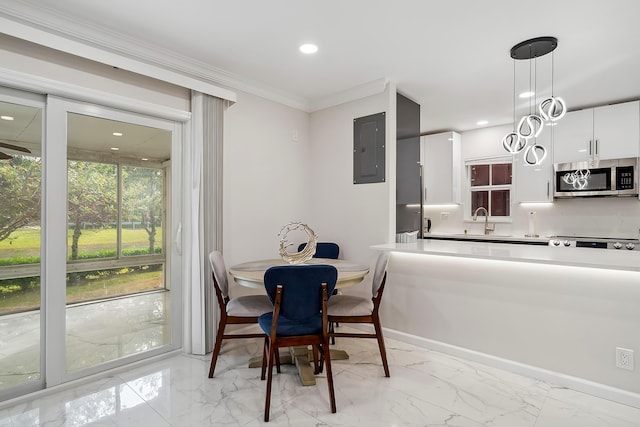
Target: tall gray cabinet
[408, 180]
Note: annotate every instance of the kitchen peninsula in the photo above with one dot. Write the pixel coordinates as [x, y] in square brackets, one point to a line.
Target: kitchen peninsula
[528, 253]
[556, 314]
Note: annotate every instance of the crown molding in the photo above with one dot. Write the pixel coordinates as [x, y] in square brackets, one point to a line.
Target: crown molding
[45, 26]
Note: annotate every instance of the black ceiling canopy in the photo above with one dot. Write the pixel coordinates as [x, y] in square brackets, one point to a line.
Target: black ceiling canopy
[534, 48]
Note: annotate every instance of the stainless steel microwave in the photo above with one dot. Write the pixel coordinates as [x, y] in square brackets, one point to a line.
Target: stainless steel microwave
[599, 178]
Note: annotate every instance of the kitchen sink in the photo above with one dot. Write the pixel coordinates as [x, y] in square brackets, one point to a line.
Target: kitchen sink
[492, 235]
[489, 238]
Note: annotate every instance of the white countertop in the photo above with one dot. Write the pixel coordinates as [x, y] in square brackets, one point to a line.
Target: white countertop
[579, 257]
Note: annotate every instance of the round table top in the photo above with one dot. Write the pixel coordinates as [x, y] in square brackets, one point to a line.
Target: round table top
[251, 274]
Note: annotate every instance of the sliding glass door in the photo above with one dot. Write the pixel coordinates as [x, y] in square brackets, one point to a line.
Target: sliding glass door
[120, 304]
[20, 242]
[88, 280]
[118, 297]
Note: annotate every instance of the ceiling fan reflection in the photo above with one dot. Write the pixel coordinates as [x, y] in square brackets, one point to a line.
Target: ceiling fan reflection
[4, 156]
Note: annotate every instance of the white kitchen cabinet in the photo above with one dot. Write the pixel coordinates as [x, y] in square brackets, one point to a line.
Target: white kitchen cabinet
[533, 183]
[616, 130]
[607, 132]
[442, 161]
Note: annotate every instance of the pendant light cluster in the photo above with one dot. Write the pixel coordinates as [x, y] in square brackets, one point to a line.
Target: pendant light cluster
[549, 110]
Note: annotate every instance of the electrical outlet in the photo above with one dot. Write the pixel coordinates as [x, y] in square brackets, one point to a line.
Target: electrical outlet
[624, 358]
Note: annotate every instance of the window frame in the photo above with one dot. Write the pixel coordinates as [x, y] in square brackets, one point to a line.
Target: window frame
[469, 189]
[120, 261]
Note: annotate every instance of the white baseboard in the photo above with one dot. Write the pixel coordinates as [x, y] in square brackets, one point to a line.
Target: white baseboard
[552, 377]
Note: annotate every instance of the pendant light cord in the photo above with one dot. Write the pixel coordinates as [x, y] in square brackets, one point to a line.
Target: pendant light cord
[514, 94]
[530, 65]
[552, 72]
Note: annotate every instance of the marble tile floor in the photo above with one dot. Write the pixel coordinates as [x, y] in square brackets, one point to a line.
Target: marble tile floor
[95, 333]
[426, 388]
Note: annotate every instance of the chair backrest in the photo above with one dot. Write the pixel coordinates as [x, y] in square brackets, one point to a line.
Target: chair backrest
[328, 250]
[219, 273]
[379, 275]
[302, 288]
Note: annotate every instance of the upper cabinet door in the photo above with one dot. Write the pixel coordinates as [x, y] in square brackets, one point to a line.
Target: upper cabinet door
[607, 132]
[616, 130]
[442, 159]
[573, 137]
[533, 183]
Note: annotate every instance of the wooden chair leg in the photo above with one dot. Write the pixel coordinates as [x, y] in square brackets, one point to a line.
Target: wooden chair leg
[321, 362]
[383, 351]
[216, 347]
[316, 365]
[264, 357]
[332, 326]
[327, 357]
[277, 361]
[267, 403]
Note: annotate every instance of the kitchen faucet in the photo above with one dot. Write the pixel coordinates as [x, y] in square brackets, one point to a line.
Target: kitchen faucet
[487, 229]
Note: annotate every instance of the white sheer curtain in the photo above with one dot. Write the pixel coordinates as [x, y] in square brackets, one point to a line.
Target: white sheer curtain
[204, 201]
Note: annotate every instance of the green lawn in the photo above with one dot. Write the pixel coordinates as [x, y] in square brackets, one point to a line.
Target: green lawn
[25, 242]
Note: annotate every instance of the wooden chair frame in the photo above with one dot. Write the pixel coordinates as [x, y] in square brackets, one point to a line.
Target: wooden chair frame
[228, 320]
[373, 318]
[319, 343]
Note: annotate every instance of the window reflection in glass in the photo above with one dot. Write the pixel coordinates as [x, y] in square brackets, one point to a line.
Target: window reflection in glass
[500, 202]
[142, 199]
[92, 210]
[479, 175]
[479, 199]
[20, 245]
[501, 174]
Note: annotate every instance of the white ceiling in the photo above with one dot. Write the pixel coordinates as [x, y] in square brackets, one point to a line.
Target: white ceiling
[452, 57]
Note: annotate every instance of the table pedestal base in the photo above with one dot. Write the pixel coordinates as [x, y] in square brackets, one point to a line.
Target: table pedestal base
[302, 358]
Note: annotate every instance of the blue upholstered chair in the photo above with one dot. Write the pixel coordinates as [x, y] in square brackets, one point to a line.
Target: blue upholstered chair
[240, 310]
[324, 250]
[299, 318]
[353, 309]
[328, 250]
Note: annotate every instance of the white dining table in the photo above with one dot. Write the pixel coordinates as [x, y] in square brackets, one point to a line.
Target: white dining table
[251, 275]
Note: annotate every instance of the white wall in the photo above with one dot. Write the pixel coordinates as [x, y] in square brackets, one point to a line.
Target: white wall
[355, 216]
[266, 177]
[270, 180]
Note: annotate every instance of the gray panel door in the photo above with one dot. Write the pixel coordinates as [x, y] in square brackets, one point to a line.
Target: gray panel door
[369, 149]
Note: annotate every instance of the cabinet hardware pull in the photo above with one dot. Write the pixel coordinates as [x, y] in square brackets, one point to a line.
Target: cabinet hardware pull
[590, 147]
[597, 151]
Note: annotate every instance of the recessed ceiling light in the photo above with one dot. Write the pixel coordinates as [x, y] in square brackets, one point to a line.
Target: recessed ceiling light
[117, 134]
[114, 149]
[526, 94]
[144, 159]
[308, 48]
[482, 122]
[6, 118]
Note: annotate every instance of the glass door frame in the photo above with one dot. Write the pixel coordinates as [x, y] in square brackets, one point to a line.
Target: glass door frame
[55, 237]
[31, 99]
